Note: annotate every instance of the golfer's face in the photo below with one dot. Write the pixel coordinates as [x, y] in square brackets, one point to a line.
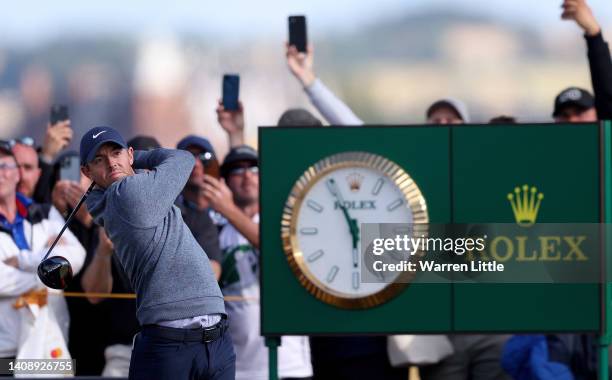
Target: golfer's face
[111, 163]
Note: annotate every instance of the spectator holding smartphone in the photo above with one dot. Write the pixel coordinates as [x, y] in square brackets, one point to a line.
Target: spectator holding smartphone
[57, 137]
[232, 121]
[336, 112]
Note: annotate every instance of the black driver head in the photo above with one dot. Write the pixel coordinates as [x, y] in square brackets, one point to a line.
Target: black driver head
[55, 272]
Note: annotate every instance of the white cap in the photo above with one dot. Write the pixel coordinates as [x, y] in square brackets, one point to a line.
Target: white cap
[455, 104]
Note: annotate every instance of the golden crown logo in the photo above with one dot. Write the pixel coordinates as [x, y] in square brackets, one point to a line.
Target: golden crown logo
[354, 181]
[525, 204]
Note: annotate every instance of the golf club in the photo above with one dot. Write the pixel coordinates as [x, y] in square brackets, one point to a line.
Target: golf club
[56, 272]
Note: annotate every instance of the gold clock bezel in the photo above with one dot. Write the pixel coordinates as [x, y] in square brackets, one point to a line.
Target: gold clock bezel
[295, 257]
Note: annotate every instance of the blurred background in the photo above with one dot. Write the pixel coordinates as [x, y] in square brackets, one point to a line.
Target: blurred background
[155, 68]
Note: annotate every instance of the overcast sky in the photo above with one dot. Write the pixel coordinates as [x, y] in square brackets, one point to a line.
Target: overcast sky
[33, 22]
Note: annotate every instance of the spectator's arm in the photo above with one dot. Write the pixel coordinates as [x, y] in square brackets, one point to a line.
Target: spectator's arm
[333, 109]
[148, 196]
[208, 239]
[216, 268]
[232, 123]
[600, 62]
[98, 276]
[220, 198]
[57, 137]
[44, 186]
[14, 282]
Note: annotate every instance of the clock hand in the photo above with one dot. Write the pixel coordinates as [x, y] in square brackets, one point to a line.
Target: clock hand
[352, 223]
[354, 227]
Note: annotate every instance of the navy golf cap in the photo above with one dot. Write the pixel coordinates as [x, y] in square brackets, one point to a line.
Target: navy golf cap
[198, 142]
[93, 139]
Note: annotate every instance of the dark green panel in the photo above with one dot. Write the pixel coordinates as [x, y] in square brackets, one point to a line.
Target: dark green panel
[562, 161]
[285, 153]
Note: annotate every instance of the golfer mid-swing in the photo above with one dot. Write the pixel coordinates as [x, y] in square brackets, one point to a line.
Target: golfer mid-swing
[179, 304]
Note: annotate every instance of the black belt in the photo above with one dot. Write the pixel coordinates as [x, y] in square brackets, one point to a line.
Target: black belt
[205, 335]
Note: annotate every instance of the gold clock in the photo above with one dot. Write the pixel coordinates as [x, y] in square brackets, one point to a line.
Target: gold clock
[321, 220]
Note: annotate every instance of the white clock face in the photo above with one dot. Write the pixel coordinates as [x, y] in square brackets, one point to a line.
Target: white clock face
[345, 196]
[322, 217]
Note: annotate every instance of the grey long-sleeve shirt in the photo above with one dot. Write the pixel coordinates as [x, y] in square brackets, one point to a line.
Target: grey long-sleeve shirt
[166, 266]
[333, 109]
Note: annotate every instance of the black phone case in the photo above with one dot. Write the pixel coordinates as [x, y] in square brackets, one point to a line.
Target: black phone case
[231, 86]
[58, 113]
[297, 32]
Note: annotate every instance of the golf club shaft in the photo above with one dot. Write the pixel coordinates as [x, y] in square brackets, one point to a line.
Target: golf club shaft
[74, 211]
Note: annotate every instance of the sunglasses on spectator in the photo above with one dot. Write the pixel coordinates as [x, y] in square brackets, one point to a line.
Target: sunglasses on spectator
[7, 166]
[240, 170]
[29, 141]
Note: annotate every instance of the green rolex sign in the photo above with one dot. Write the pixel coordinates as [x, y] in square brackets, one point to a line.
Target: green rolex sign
[320, 185]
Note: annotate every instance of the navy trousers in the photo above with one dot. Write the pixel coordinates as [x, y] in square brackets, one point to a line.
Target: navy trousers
[159, 357]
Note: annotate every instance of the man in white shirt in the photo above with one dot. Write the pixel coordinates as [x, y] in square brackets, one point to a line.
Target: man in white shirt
[27, 230]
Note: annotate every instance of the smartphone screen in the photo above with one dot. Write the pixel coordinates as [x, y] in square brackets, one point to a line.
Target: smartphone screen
[70, 169]
[59, 112]
[297, 32]
[231, 86]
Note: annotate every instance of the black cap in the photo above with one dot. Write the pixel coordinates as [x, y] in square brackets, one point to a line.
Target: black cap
[142, 142]
[237, 154]
[93, 139]
[573, 96]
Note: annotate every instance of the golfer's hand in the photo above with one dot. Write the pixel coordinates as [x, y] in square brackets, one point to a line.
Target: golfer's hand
[74, 192]
[218, 195]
